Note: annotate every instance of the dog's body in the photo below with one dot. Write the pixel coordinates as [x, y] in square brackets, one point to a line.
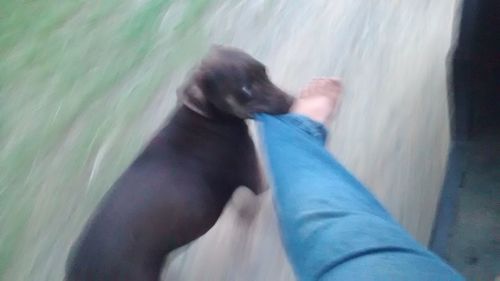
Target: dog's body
[176, 189]
[172, 194]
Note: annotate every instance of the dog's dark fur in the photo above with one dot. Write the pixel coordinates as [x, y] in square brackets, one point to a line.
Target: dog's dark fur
[176, 189]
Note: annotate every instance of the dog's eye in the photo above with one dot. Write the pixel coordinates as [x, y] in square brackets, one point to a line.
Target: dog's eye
[246, 91]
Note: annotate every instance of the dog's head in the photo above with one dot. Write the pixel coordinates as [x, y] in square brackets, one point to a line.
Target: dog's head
[230, 81]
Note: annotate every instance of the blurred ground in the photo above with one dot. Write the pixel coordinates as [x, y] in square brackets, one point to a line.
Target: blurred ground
[84, 84]
[474, 246]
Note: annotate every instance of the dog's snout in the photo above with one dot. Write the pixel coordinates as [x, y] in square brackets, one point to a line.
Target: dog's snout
[285, 102]
[288, 101]
[280, 99]
[273, 101]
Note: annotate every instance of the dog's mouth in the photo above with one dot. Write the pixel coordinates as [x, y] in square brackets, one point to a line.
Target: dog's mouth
[278, 104]
[238, 109]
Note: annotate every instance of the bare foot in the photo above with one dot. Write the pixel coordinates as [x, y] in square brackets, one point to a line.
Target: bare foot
[319, 99]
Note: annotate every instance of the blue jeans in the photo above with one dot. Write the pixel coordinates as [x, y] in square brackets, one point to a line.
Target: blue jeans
[332, 227]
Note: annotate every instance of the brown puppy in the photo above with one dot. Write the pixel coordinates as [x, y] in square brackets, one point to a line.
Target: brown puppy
[176, 189]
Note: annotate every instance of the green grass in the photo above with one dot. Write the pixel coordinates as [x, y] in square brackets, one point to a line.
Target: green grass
[64, 69]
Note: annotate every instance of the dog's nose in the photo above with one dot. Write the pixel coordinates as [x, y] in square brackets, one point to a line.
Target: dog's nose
[289, 100]
[283, 103]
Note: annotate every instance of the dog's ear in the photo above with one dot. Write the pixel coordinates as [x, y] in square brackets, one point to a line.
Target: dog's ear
[192, 96]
